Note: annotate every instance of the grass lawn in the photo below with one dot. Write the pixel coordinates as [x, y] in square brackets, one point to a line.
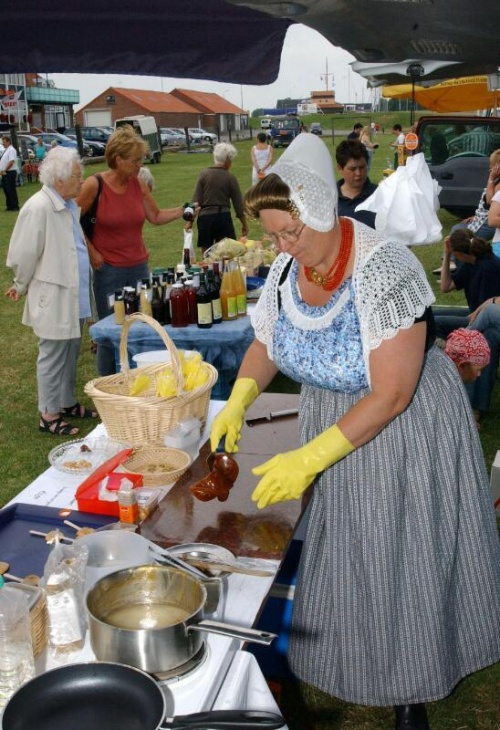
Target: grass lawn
[475, 705]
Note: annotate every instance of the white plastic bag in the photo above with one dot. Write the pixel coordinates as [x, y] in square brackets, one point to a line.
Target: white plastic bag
[188, 243]
[405, 204]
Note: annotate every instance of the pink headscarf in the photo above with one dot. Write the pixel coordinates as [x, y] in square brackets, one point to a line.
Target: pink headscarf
[464, 345]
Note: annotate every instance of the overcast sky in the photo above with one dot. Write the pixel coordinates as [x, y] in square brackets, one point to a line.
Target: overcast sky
[304, 62]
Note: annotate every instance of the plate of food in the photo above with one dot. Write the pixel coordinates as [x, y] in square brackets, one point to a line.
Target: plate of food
[83, 456]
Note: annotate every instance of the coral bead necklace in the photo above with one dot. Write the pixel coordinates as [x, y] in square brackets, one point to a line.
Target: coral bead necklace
[335, 273]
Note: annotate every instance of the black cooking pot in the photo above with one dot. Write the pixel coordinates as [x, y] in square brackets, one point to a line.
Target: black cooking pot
[108, 696]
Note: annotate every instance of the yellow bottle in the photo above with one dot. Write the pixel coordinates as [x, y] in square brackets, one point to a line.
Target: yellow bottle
[228, 297]
[241, 290]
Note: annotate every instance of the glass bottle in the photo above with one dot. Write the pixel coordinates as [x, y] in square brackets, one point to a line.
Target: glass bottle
[130, 300]
[157, 308]
[217, 277]
[241, 290]
[179, 306]
[167, 307]
[119, 307]
[228, 294]
[204, 305]
[192, 302]
[145, 298]
[215, 297]
[17, 663]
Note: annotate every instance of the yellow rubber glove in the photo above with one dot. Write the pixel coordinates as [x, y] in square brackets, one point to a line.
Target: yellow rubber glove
[229, 421]
[287, 476]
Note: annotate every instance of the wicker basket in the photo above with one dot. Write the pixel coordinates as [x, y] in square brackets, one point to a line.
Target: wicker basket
[158, 465]
[144, 419]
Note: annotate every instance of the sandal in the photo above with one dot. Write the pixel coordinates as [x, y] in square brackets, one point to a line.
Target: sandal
[78, 411]
[57, 427]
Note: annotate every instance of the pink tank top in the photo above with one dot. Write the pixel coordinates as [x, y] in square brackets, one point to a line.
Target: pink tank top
[119, 223]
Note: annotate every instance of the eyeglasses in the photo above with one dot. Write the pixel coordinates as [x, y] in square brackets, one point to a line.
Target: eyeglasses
[76, 176]
[286, 236]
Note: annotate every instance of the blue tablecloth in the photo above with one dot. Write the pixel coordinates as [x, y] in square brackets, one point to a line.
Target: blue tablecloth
[222, 345]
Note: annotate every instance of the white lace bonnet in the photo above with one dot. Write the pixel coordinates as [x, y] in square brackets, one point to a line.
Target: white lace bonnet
[306, 167]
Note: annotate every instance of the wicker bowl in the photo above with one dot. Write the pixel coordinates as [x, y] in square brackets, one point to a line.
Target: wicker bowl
[159, 465]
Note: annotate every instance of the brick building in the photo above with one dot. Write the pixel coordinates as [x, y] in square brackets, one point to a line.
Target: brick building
[178, 108]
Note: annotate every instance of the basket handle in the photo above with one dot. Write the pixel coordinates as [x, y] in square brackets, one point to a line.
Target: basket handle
[168, 342]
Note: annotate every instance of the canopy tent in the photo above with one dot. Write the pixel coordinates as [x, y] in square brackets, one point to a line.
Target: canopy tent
[454, 95]
[238, 41]
[204, 39]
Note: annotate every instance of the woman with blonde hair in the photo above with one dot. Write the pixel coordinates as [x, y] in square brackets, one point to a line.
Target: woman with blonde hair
[117, 250]
[365, 139]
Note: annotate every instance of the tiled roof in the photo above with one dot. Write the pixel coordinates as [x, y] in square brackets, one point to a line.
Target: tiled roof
[209, 102]
[179, 101]
[154, 101]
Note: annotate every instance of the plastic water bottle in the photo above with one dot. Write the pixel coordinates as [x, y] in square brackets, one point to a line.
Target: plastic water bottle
[17, 663]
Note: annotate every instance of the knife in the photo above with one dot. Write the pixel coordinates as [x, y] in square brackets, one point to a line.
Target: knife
[273, 416]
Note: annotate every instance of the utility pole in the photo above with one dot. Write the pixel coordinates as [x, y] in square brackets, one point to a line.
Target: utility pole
[325, 76]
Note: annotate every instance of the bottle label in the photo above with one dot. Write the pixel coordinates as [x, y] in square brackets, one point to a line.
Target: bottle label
[217, 309]
[232, 308]
[241, 300]
[205, 313]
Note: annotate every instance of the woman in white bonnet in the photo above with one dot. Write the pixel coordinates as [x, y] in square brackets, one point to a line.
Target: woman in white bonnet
[398, 589]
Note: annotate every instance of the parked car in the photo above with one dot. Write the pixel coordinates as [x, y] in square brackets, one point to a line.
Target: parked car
[92, 134]
[315, 128]
[457, 149]
[171, 137]
[90, 148]
[200, 135]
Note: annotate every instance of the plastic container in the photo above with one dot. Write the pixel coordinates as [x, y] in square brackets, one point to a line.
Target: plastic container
[153, 356]
[17, 663]
[186, 437]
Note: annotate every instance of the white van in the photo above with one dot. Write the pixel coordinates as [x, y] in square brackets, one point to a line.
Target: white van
[266, 123]
[147, 129]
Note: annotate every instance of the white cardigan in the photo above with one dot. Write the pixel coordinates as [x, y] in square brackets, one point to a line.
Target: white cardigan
[42, 253]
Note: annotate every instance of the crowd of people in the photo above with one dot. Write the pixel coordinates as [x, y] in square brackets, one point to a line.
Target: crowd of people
[398, 590]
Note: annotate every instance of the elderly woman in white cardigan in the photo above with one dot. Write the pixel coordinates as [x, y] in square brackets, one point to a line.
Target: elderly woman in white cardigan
[49, 258]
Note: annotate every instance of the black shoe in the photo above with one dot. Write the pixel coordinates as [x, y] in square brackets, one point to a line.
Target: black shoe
[411, 717]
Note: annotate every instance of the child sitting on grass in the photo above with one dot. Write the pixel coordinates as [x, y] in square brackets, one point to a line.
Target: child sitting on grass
[470, 352]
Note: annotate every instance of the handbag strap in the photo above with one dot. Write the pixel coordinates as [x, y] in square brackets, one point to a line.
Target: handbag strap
[93, 209]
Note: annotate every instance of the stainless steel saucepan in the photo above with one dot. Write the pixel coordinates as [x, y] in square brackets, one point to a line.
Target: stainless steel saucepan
[151, 617]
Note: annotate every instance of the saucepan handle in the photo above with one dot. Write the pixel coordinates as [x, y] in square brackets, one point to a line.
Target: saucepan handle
[236, 632]
[226, 720]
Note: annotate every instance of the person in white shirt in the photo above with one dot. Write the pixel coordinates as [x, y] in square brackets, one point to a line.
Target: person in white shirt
[398, 142]
[8, 172]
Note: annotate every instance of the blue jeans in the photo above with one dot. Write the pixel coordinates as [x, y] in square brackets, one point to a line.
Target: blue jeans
[106, 281]
[487, 322]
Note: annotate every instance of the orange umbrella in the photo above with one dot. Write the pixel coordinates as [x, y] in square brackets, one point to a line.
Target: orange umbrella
[453, 95]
